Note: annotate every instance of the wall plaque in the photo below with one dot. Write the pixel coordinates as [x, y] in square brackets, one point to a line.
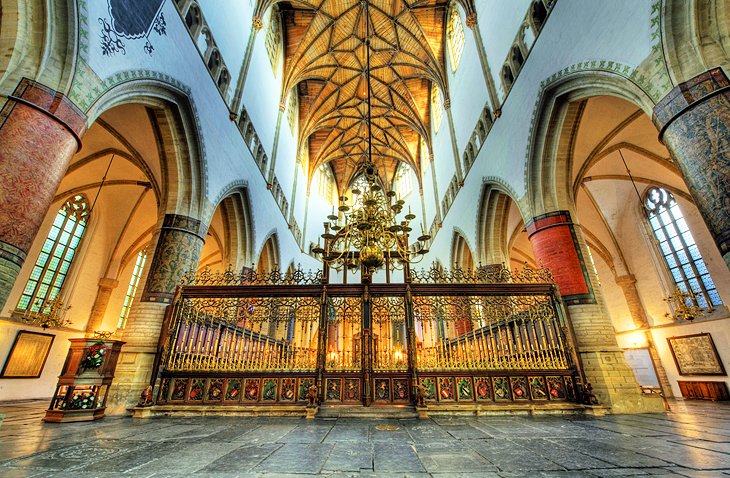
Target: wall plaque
[27, 355]
[696, 355]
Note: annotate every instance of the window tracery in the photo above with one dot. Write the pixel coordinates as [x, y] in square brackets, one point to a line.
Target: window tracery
[437, 107]
[678, 247]
[273, 39]
[57, 254]
[455, 35]
[132, 288]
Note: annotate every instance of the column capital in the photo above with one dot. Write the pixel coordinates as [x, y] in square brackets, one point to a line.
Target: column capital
[257, 23]
[471, 20]
[108, 283]
[625, 280]
[51, 103]
[555, 242]
[693, 121]
[40, 130]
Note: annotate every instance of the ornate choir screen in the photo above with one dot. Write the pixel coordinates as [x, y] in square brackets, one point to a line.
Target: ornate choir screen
[486, 336]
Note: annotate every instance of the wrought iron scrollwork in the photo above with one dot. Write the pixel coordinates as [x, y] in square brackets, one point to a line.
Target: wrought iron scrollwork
[518, 332]
[482, 275]
[237, 334]
[247, 276]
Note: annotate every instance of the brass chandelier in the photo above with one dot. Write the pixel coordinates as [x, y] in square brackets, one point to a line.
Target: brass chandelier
[370, 234]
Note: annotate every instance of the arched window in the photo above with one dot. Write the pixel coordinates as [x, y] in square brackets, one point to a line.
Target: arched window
[214, 62]
[273, 38]
[455, 35]
[192, 19]
[538, 14]
[292, 110]
[437, 107]
[678, 247]
[507, 78]
[325, 182]
[517, 58]
[132, 288]
[59, 249]
[404, 180]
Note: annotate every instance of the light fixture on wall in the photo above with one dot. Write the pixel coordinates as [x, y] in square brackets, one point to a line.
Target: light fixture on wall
[684, 305]
[50, 313]
[369, 232]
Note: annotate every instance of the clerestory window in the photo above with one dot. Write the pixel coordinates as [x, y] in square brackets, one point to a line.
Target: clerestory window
[273, 39]
[455, 35]
[437, 107]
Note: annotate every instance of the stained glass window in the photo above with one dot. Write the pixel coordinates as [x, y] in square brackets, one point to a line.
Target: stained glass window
[56, 256]
[132, 289]
[678, 247]
[455, 35]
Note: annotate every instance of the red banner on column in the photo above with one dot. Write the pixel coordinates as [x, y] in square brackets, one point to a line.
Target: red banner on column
[555, 245]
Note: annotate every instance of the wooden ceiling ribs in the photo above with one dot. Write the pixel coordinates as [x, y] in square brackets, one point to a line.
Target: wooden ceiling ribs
[325, 60]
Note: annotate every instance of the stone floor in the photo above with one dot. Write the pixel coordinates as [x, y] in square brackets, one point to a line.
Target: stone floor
[691, 440]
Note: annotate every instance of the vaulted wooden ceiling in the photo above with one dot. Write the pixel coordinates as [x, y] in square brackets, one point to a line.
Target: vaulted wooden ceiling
[325, 60]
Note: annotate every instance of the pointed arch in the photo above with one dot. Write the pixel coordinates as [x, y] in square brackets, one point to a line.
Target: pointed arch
[184, 181]
[268, 260]
[558, 112]
[38, 40]
[238, 225]
[461, 253]
[700, 27]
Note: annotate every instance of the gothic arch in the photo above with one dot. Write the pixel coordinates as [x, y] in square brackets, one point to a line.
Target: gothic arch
[184, 184]
[558, 110]
[238, 225]
[268, 260]
[32, 49]
[492, 225]
[695, 36]
[461, 253]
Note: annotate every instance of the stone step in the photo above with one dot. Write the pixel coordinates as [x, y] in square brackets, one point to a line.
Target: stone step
[373, 411]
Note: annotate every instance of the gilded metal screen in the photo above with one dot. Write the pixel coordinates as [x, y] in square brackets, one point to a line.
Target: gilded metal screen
[488, 333]
[486, 336]
[390, 336]
[344, 331]
[253, 334]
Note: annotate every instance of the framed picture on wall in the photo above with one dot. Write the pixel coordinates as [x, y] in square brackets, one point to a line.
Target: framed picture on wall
[27, 355]
[696, 355]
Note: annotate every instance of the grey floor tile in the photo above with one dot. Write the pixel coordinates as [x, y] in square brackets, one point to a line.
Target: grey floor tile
[396, 457]
[693, 440]
[241, 459]
[296, 458]
[346, 457]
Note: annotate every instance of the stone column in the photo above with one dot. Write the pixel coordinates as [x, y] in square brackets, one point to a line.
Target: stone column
[693, 121]
[179, 242]
[103, 293]
[638, 314]
[559, 246]
[40, 130]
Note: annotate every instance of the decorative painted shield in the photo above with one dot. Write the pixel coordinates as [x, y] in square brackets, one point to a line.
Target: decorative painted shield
[134, 18]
